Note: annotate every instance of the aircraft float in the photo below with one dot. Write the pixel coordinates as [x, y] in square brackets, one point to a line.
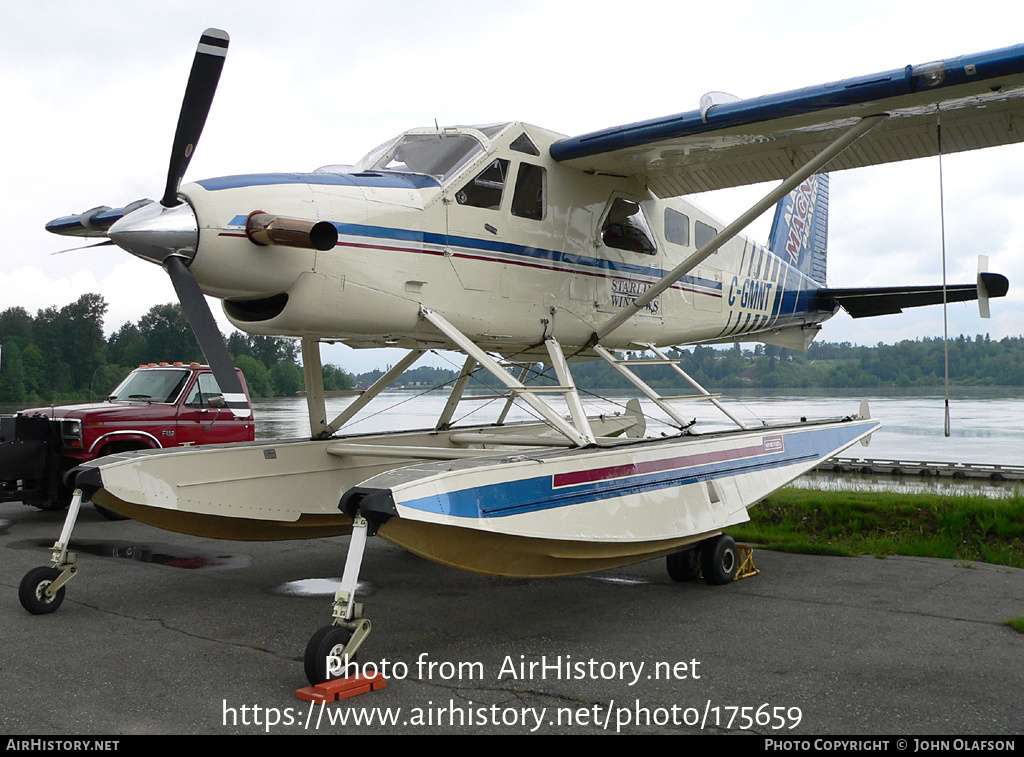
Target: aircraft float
[515, 246]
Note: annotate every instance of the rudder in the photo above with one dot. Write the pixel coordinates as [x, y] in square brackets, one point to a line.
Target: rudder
[799, 232]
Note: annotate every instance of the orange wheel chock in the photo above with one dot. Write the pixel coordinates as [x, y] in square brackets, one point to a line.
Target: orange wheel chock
[341, 688]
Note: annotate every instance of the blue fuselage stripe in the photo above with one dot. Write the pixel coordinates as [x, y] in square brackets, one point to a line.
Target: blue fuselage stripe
[551, 257]
[799, 296]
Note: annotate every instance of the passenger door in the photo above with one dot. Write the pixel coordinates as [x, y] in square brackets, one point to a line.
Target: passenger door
[628, 245]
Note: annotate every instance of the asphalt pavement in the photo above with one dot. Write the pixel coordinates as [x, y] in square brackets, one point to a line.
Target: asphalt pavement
[162, 633]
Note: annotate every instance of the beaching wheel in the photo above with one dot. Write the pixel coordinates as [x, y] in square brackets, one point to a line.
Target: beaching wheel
[719, 560]
[32, 588]
[328, 641]
[683, 566]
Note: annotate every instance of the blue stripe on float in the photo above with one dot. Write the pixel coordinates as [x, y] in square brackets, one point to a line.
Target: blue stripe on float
[538, 494]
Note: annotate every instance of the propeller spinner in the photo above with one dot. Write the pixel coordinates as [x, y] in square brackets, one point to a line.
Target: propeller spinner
[167, 232]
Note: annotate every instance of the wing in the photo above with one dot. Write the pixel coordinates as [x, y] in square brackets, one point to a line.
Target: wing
[726, 144]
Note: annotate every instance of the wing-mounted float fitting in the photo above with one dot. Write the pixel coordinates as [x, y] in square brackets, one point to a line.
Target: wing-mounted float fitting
[267, 229]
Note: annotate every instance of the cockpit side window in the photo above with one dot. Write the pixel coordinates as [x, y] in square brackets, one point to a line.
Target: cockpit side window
[486, 188]
[523, 143]
[529, 200]
[626, 228]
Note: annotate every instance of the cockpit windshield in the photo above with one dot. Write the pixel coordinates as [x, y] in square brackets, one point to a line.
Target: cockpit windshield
[437, 154]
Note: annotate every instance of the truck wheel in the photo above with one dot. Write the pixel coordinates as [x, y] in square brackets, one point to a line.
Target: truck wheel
[58, 504]
[30, 592]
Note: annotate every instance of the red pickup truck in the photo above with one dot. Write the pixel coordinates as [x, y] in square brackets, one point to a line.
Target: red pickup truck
[157, 405]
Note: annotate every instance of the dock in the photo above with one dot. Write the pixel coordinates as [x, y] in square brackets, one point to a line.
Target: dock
[924, 469]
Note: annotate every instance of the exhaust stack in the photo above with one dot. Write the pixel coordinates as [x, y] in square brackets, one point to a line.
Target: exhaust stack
[267, 229]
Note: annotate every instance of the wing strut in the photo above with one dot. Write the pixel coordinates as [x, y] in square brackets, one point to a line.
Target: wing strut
[814, 165]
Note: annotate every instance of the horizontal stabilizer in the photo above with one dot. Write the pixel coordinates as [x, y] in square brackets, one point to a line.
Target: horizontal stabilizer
[861, 303]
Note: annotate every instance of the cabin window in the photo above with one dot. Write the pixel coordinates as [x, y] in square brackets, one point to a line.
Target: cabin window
[528, 200]
[626, 228]
[677, 227]
[702, 233]
[523, 143]
[485, 189]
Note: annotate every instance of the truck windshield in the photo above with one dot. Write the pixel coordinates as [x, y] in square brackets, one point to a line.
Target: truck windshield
[150, 385]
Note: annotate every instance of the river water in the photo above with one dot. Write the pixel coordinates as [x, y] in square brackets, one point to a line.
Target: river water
[987, 425]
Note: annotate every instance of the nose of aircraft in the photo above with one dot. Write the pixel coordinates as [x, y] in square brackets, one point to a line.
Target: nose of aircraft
[154, 232]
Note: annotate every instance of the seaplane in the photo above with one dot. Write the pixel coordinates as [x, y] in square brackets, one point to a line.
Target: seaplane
[519, 247]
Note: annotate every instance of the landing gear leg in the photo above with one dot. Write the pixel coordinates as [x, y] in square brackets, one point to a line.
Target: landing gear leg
[42, 589]
[332, 647]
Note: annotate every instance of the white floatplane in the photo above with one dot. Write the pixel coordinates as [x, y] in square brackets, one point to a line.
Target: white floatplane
[516, 246]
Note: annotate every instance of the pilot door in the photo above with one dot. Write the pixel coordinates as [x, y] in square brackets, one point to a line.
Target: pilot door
[496, 226]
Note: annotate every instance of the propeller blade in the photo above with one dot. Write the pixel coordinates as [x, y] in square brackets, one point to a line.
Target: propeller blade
[210, 339]
[195, 106]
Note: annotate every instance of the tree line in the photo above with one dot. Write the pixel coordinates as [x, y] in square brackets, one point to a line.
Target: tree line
[978, 361]
[61, 354]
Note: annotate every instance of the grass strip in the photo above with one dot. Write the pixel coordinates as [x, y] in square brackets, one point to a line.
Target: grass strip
[954, 527]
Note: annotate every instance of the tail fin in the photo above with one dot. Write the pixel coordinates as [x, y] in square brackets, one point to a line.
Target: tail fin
[800, 230]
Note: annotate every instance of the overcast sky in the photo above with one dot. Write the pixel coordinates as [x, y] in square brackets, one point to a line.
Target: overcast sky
[92, 94]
